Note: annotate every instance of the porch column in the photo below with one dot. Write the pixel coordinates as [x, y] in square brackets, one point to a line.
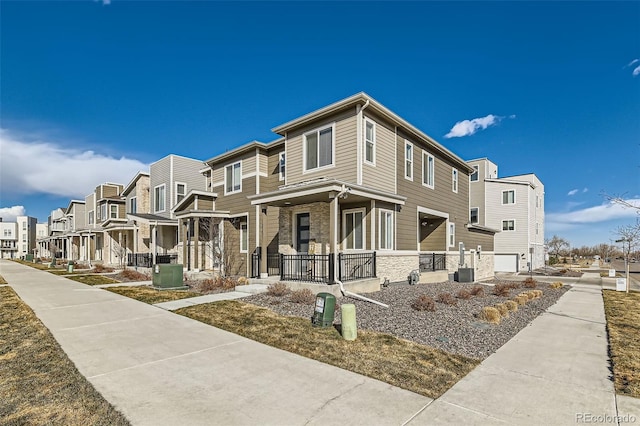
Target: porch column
[196, 238]
[264, 273]
[334, 214]
[121, 250]
[154, 242]
[185, 230]
[135, 238]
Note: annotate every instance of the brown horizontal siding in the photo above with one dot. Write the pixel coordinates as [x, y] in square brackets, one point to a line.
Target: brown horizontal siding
[382, 175]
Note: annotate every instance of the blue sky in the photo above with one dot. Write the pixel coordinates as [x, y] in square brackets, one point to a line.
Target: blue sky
[544, 87]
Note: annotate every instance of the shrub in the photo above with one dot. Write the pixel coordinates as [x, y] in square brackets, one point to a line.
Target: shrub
[553, 260]
[502, 308]
[522, 299]
[304, 296]
[513, 286]
[424, 303]
[511, 305]
[463, 294]
[134, 275]
[243, 281]
[490, 314]
[530, 283]
[447, 299]
[556, 284]
[501, 290]
[99, 268]
[477, 291]
[277, 289]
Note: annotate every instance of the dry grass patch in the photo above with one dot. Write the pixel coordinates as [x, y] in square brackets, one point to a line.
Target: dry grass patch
[521, 299]
[93, 279]
[399, 362]
[2, 280]
[556, 284]
[490, 315]
[623, 325]
[38, 383]
[477, 291]
[530, 283]
[511, 305]
[151, 295]
[424, 303]
[502, 308]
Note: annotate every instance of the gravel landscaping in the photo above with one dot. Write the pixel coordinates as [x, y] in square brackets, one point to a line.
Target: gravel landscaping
[455, 329]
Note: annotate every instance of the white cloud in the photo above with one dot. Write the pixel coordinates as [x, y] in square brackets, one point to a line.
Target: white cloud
[572, 192]
[469, 127]
[635, 61]
[585, 190]
[9, 214]
[636, 71]
[597, 214]
[39, 166]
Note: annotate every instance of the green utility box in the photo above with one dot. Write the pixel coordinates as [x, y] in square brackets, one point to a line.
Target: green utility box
[168, 276]
[29, 258]
[324, 311]
[70, 266]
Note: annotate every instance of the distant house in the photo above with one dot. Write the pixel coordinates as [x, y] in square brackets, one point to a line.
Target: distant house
[513, 205]
[350, 192]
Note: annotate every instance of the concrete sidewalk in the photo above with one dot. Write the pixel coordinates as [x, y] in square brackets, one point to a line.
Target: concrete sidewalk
[552, 372]
[159, 368]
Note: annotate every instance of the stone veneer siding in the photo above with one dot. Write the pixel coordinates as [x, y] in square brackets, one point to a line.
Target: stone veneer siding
[483, 265]
[395, 266]
[319, 229]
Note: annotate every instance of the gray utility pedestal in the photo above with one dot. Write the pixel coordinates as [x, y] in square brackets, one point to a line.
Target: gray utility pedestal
[168, 276]
[465, 275]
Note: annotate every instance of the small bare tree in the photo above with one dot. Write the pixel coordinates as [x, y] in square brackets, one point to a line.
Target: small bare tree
[215, 234]
[629, 236]
[53, 250]
[557, 245]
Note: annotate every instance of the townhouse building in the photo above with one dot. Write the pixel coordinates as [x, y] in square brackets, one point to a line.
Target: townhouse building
[18, 239]
[349, 192]
[513, 205]
[8, 240]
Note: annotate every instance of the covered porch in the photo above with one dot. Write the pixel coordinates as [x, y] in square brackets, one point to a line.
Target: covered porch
[328, 230]
[149, 238]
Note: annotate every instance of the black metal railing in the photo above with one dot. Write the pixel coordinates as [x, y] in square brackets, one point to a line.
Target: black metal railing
[307, 267]
[430, 262]
[145, 260]
[356, 266]
[273, 263]
[255, 263]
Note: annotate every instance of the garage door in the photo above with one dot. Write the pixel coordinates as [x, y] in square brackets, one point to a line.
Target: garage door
[506, 263]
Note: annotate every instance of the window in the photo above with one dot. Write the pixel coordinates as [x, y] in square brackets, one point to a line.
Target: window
[452, 235]
[103, 212]
[408, 161]
[244, 236]
[24, 238]
[24, 226]
[386, 230]
[158, 198]
[91, 217]
[114, 211]
[282, 165]
[454, 180]
[353, 229]
[133, 205]
[318, 148]
[473, 177]
[233, 178]
[508, 197]
[537, 228]
[428, 169]
[508, 225]
[369, 141]
[473, 216]
[181, 191]
[24, 247]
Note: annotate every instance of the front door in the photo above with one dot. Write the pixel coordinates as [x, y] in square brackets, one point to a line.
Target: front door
[302, 233]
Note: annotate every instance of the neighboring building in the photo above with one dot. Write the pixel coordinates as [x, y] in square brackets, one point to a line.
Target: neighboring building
[170, 179]
[18, 239]
[513, 205]
[341, 183]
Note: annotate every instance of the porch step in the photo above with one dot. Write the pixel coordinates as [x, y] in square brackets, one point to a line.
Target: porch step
[252, 288]
[265, 281]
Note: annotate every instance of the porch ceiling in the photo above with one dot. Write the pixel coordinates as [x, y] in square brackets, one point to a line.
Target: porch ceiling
[322, 191]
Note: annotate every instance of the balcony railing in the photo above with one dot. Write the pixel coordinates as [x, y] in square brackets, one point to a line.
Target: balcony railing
[356, 266]
[430, 262]
[145, 260]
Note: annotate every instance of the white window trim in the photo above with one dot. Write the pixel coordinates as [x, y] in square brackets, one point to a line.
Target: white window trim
[280, 174]
[478, 215]
[502, 196]
[363, 210]
[477, 173]
[509, 230]
[381, 213]
[175, 191]
[91, 217]
[451, 234]
[111, 206]
[373, 142]
[155, 198]
[455, 179]
[246, 222]
[131, 201]
[333, 148]
[404, 156]
[232, 165]
[425, 161]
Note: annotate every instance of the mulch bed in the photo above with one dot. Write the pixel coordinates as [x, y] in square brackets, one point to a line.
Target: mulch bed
[455, 329]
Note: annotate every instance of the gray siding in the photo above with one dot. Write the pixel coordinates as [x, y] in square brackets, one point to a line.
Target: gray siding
[168, 171]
